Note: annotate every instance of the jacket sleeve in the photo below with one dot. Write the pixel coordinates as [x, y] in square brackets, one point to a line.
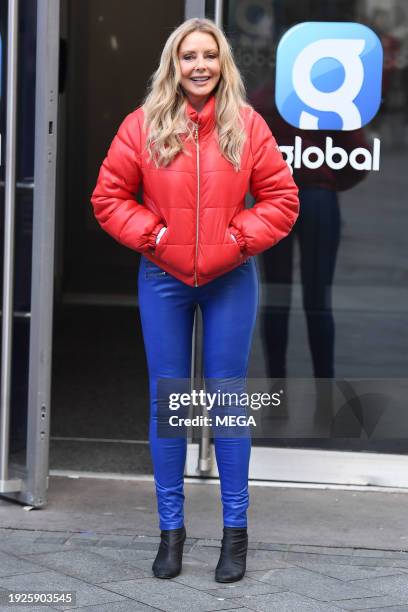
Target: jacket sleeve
[113, 199]
[277, 205]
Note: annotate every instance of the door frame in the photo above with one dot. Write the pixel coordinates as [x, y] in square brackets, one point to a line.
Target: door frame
[29, 483]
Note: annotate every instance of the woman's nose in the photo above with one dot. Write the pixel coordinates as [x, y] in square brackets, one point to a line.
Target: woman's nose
[200, 63]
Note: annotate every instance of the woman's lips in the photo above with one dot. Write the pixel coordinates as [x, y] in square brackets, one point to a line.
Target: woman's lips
[200, 83]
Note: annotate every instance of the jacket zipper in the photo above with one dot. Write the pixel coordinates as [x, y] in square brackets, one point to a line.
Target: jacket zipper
[198, 201]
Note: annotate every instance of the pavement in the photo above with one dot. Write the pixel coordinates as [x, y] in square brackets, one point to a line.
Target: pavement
[317, 549]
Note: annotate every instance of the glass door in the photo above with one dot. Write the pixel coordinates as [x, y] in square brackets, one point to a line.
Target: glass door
[331, 338]
[28, 114]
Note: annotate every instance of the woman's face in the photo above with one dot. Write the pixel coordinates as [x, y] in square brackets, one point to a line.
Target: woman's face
[200, 67]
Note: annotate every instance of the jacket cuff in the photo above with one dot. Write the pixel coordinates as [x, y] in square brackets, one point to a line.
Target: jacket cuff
[152, 238]
[239, 237]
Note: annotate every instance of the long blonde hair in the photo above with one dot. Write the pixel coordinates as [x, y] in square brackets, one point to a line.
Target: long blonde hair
[165, 104]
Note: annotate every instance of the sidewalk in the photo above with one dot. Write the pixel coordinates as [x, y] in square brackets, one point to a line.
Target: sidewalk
[310, 549]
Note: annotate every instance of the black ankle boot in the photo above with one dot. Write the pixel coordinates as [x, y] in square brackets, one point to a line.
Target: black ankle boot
[232, 563]
[168, 559]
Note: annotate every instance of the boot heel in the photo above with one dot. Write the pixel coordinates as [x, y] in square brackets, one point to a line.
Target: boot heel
[232, 562]
[168, 561]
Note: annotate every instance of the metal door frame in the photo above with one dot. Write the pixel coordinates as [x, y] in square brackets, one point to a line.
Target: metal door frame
[29, 484]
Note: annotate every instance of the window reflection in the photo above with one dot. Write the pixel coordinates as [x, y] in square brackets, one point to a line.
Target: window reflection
[342, 269]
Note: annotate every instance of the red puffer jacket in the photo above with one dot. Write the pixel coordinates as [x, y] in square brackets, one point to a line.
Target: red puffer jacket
[198, 197]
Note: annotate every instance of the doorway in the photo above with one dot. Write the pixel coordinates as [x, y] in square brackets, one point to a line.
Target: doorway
[99, 379]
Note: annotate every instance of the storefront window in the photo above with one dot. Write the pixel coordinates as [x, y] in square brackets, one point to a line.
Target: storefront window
[334, 295]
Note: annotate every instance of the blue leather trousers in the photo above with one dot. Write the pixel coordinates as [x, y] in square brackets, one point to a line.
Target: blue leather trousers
[229, 309]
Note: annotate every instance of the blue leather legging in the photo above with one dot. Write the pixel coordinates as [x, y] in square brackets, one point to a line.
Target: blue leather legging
[229, 307]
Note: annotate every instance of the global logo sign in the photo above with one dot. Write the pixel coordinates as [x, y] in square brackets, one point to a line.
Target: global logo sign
[328, 76]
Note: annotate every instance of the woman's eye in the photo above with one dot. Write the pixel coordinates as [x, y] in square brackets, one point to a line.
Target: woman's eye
[189, 57]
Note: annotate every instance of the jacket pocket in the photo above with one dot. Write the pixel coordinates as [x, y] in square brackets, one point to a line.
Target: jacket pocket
[160, 235]
[162, 243]
[230, 238]
[219, 258]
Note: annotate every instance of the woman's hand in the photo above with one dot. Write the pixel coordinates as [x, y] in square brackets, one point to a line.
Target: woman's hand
[237, 237]
[160, 234]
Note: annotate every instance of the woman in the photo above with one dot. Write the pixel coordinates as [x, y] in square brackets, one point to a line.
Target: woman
[196, 147]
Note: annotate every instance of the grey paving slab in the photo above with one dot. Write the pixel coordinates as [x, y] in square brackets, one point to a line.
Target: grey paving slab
[380, 562]
[349, 572]
[311, 584]
[211, 542]
[87, 565]
[397, 585]
[132, 557]
[169, 595]
[214, 543]
[396, 609]
[84, 539]
[322, 550]
[260, 559]
[369, 560]
[14, 608]
[154, 539]
[384, 554]
[54, 537]
[120, 606]
[151, 546]
[27, 534]
[403, 607]
[210, 553]
[11, 565]
[302, 556]
[79, 543]
[254, 556]
[191, 565]
[194, 575]
[287, 602]
[145, 565]
[25, 547]
[189, 541]
[381, 602]
[7, 538]
[53, 581]
[244, 587]
[269, 546]
[119, 541]
[206, 557]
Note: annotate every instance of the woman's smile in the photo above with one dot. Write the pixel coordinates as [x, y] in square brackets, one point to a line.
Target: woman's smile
[200, 80]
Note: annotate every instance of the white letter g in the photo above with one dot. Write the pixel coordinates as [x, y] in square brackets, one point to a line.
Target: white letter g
[340, 101]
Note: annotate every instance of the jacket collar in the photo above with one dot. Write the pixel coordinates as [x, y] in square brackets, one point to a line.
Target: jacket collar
[205, 118]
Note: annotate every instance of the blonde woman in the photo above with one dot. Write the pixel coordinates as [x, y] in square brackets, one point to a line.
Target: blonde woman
[197, 147]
